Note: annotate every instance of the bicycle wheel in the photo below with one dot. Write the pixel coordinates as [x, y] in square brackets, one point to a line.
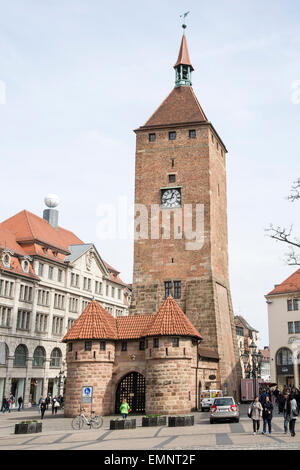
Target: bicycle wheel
[77, 423]
[96, 422]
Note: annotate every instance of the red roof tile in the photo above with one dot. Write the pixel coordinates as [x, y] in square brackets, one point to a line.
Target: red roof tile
[181, 106]
[291, 284]
[94, 323]
[170, 320]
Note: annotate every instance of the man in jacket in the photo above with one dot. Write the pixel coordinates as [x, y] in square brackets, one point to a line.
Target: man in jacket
[293, 413]
[285, 404]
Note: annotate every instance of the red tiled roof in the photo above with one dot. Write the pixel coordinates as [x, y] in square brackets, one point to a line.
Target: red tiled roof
[94, 322]
[170, 320]
[291, 284]
[28, 227]
[183, 56]
[181, 106]
[208, 352]
[133, 326]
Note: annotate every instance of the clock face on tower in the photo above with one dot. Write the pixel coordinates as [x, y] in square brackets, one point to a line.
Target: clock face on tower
[170, 198]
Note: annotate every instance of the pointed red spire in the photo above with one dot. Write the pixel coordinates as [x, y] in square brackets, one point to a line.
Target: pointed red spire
[183, 56]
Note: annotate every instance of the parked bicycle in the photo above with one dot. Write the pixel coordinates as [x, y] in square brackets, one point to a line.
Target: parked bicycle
[94, 421]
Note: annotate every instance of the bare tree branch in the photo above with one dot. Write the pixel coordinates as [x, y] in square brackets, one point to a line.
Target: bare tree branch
[295, 191]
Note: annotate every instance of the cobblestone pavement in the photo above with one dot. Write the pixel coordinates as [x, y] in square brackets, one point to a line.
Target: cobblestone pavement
[58, 434]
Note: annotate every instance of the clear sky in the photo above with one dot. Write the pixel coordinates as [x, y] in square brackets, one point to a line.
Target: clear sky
[76, 77]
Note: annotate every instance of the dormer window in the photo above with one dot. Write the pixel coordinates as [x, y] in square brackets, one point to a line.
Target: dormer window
[6, 260]
[25, 266]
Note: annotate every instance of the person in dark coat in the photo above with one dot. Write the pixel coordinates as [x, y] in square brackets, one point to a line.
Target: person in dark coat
[267, 415]
[285, 410]
[4, 405]
[47, 402]
[43, 408]
[20, 401]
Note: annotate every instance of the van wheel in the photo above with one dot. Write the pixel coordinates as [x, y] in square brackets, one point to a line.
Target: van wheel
[237, 420]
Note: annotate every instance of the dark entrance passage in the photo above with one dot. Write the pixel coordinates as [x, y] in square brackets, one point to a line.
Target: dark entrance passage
[132, 387]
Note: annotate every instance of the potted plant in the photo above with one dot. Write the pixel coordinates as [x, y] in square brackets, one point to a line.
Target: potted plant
[154, 420]
[121, 423]
[28, 427]
[181, 420]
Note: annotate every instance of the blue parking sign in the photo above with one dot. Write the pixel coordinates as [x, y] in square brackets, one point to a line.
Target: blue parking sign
[87, 394]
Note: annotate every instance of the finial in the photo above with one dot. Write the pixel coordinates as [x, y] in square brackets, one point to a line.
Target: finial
[184, 16]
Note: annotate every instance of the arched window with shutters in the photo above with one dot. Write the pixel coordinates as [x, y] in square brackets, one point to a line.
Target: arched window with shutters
[55, 358]
[284, 357]
[20, 357]
[39, 357]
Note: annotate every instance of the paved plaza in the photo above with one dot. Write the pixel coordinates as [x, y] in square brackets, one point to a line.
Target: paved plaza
[58, 434]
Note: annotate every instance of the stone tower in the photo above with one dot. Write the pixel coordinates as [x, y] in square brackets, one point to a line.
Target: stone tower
[181, 246]
[88, 363]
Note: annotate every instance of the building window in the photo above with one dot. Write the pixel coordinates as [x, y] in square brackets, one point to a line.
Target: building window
[70, 347]
[6, 288]
[57, 326]
[172, 178]
[5, 316]
[297, 326]
[284, 357]
[55, 358]
[192, 134]
[107, 287]
[291, 327]
[59, 275]
[59, 301]
[119, 294]
[177, 289]
[142, 345]
[239, 331]
[172, 135]
[50, 272]
[20, 356]
[290, 305]
[6, 260]
[113, 292]
[295, 304]
[38, 357]
[88, 346]
[168, 289]
[152, 137]
[23, 320]
[175, 342]
[156, 342]
[25, 293]
[124, 346]
[41, 322]
[102, 345]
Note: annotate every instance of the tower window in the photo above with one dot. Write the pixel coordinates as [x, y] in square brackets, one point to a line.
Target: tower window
[192, 134]
[102, 345]
[172, 178]
[177, 289]
[124, 346]
[173, 162]
[152, 137]
[88, 346]
[156, 342]
[175, 342]
[172, 135]
[142, 345]
[168, 289]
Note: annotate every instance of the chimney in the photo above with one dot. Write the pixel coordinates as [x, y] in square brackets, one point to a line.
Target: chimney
[51, 214]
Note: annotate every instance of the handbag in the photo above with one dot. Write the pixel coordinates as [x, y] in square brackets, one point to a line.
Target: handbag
[250, 411]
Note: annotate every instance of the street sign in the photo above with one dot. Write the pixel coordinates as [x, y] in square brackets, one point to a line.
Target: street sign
[87, 394]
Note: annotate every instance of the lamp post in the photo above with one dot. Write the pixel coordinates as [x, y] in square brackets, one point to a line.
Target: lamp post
[256, 360]
[60, 378]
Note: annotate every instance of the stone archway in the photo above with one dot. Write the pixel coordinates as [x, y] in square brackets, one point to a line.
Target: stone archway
[132, 387]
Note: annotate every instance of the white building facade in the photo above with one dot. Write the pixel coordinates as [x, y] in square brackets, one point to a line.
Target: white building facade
[47, 278]
[284, 331]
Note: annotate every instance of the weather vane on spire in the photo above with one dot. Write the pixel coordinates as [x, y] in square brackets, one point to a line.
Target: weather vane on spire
[184, 17]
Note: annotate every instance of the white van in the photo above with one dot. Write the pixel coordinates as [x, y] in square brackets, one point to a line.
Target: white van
[207, 398]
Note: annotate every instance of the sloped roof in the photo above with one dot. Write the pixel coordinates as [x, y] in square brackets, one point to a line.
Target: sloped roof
[183, 56]
[170, 320]
[245, 323]
[29, 227]
[289, 285]
[95, 322]
[208, 352]
[181, 106]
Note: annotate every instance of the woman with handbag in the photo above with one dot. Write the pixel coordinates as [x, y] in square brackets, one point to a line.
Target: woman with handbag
[256, 414]
[293, 413]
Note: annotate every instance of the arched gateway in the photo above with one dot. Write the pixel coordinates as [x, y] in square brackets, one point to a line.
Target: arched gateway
[132, 387]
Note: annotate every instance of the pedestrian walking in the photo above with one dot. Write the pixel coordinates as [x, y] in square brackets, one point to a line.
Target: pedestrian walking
[48, 400]
[56, 406]
[267, 415]
[20, 402]
[263, 397]
[4, 405]
[124, 409]
[293, 413]
[43, 408]
[285, 411]
[40, 402]
[256, 414]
